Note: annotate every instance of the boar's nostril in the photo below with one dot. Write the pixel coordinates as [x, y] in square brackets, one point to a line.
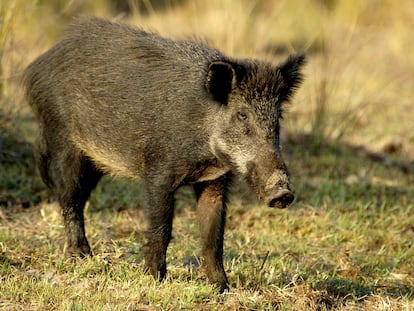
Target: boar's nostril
[282, 199]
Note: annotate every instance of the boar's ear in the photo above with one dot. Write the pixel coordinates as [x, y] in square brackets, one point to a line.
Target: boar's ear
[220, 80]
[292, 76]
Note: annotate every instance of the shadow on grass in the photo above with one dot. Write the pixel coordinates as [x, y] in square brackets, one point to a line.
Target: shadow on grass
[341, 290]
[20, 184]
[335, 292]
[328, 292]
[315, 146]
[346, 174]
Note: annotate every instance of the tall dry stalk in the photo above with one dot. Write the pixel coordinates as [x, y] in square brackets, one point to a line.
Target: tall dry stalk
[7, 9]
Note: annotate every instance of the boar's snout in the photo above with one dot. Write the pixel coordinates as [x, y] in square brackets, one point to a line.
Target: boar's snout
[275, 189]
[281, 199]
[278, 193]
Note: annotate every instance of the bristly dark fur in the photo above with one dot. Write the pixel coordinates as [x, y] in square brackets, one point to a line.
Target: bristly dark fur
[260, 80]
[292, 75]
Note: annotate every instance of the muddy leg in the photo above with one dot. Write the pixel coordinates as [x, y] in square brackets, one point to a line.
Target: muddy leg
[211, 209]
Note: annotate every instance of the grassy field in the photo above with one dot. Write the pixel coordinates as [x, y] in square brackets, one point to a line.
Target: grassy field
[347, 243]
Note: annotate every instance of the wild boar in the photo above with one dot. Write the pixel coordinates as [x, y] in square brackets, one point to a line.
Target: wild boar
[113, 99]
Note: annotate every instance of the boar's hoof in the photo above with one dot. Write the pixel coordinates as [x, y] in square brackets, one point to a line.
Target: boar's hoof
[222, 285]
[80, 251]
[282, 199]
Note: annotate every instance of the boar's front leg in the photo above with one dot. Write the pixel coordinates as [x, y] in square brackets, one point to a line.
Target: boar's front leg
[211, 209]
[159, 212]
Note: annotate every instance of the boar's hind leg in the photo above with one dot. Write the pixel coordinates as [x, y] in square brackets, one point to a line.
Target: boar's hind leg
[159, 211]
[211, 209]
[78, 177]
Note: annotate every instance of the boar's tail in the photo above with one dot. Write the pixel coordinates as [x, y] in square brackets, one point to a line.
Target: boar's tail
[43, 162]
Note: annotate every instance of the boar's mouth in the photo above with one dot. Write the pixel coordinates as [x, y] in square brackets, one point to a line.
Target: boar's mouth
[281, 199]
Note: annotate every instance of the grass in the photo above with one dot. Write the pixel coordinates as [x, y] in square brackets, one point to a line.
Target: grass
[346, 243]
[342, 246]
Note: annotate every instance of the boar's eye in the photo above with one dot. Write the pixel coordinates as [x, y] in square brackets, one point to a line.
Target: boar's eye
[242, 116]
[244, 119]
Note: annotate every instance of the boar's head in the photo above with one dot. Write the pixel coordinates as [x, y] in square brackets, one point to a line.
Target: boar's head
[245, 133]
